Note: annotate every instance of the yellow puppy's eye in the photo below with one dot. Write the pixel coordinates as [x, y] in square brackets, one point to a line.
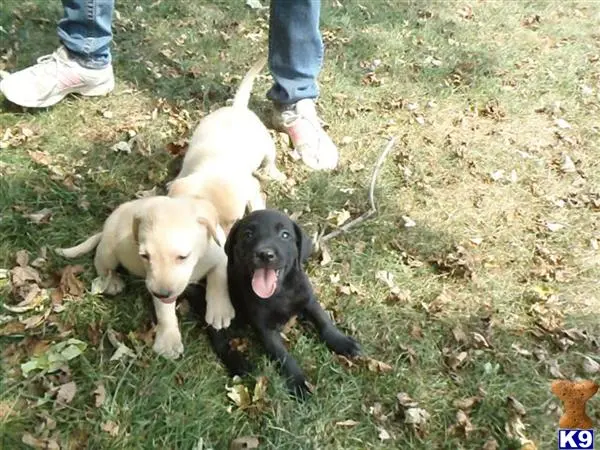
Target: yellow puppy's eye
[145, 256]
[182, 257]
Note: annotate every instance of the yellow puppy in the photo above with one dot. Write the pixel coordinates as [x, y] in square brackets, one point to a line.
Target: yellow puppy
[227, 148]
[171, 242]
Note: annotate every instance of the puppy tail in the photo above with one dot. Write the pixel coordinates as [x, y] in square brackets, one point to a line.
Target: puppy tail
[87, 246]
[242, 96]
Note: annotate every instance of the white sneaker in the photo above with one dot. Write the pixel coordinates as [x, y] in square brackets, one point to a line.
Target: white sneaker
[302, 124]
[53, 78]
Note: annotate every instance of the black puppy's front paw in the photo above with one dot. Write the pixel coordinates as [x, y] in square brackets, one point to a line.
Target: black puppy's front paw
[340, 343]
[238, 365]
[300, 389]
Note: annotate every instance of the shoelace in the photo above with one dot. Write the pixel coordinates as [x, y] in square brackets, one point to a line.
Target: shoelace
[44, 61]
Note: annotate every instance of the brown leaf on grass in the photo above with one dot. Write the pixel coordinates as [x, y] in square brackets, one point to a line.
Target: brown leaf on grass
[377, 412]
[99, 395]
[466, 404]
[437, 304]
[532, 21]
[490, 444]
[397, 295]
[365, 361]
[347, 423]
[111, 428]
[35, 320]
[383, 434]
[244, 442]
[239, 344]
[590, 366]
[66, 393]
[45, 443]
[466, 12]
[463, 425]
[385, 277]
[177, 148]
[416, 332]
[459, 335]
[455, 360]
[417, 419]
[239, 395]
[405, 400]
[458, 263]
[325, 255]
[515, 429]
[70, 285]
[21, 276]
[42, 158]
[516, 406]
[377, 366]
[40, 217]
[22, 258]
[260, 390]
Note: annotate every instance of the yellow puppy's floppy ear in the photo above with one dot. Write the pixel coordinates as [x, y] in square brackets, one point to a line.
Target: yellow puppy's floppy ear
[208, 216]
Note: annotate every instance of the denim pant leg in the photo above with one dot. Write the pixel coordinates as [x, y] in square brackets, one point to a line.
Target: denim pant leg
[86, 31]
[295, 50]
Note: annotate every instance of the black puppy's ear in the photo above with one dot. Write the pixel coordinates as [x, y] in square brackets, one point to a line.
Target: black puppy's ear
[304, 244]
[230, 241]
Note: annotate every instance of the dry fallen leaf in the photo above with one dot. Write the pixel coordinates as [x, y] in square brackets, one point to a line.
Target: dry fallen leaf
[377, 366]
[490, 444]
[516, 405]
[99, 395]
[239, 394]
[244, 442]
[455, 361]
[562, 123]
[66, 393]
[463, 424]
[459, 335]
[41, 216]
[347, 423]
[383, 434]
[22, 258]
[552, 226]
[70, 285]
[590, 366]
[111, 428]
[408, 222]
[467, 403]
[42, 158]
[568, 166]
[45, 444]
[386, 277]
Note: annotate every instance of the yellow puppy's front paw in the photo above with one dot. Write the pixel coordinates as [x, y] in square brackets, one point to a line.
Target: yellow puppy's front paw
[219, 313]
[168, 343]
[109, 285]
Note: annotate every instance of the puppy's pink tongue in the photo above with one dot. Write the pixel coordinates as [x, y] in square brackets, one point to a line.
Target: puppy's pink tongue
[264, 282]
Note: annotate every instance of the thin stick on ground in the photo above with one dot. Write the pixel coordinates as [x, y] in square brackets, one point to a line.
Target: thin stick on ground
[372, 207]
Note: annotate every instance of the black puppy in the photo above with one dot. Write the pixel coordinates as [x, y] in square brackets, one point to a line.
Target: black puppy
[267, 284]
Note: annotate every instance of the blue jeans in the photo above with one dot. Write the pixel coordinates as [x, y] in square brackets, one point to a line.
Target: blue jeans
[295, 44]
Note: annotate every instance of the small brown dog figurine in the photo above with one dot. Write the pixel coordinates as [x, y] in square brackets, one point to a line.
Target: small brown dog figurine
[574, 396]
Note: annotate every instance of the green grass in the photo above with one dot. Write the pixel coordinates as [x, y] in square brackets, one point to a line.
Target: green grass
[489, 86]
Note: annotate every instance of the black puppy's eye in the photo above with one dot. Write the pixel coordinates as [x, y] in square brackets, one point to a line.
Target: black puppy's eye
[284, 234]
[248, 233]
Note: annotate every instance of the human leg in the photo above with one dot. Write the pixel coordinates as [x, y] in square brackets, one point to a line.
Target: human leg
[82, 65]
[295, 60]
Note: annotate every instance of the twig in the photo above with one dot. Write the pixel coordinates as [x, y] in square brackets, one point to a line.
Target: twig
[372, 208]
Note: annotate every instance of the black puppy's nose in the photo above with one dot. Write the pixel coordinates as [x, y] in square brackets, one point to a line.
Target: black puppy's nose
[265, 255]
[162, 293]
